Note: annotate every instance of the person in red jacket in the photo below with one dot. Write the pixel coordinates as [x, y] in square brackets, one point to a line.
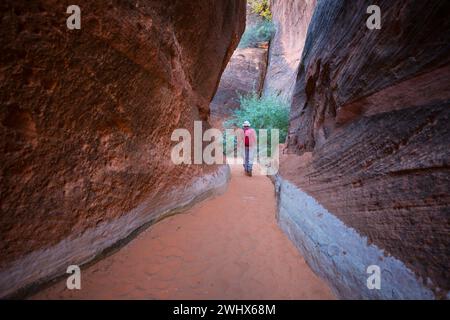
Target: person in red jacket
[248, 137]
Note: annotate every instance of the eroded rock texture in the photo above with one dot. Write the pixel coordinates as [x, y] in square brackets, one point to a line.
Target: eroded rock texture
[87, 117]
[291, 19]
[373, 108]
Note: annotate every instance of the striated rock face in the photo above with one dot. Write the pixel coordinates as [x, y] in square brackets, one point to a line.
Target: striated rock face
[291, 19]
[370, 119]
[87, 117]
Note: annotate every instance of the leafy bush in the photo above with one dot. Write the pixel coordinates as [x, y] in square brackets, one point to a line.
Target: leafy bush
[267, 112]
[261, 32]
[262, 8]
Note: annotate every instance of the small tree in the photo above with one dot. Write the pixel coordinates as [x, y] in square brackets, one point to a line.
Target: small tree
[266, 112]
[262, 8]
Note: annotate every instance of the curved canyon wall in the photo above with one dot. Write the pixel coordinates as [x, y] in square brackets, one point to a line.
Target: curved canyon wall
[86, 122]
[365, 179]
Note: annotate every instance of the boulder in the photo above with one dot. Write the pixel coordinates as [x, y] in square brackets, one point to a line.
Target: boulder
[243, 75]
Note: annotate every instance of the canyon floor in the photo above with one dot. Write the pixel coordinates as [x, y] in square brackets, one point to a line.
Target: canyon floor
[226, 247]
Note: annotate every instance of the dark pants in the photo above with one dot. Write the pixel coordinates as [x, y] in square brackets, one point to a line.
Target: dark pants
[248, 161]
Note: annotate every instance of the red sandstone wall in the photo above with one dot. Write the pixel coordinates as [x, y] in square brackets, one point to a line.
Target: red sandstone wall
[291, 19]
[373, 108]
[243, 75]
[87, 116]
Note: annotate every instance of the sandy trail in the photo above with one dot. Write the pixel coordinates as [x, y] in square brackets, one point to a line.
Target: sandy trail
[227, 247]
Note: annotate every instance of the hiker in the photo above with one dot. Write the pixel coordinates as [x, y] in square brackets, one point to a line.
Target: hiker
[248, 138]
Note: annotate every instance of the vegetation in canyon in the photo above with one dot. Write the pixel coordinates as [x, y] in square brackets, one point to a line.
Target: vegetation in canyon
[262, 8]
[263, 112]
[261, 32]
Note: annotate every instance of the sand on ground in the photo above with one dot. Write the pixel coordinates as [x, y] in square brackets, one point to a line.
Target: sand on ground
[226, 247]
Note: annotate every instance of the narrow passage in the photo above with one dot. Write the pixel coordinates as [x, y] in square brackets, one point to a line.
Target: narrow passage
[227, 247]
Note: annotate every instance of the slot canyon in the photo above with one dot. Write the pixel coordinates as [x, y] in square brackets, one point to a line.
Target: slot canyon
[87, 178]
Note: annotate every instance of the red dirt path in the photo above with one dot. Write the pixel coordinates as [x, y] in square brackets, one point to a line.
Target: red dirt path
[227, 247]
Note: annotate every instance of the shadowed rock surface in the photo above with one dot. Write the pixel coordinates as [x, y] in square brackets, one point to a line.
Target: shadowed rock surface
[373, 108]
[244, 74]
[86, 121]
[291, 19]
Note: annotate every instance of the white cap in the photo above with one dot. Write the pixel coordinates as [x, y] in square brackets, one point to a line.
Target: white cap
[246, 124]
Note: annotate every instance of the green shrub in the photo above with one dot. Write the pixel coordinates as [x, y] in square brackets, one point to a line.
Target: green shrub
[262, 8]
[261, 32]
[267, 112]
